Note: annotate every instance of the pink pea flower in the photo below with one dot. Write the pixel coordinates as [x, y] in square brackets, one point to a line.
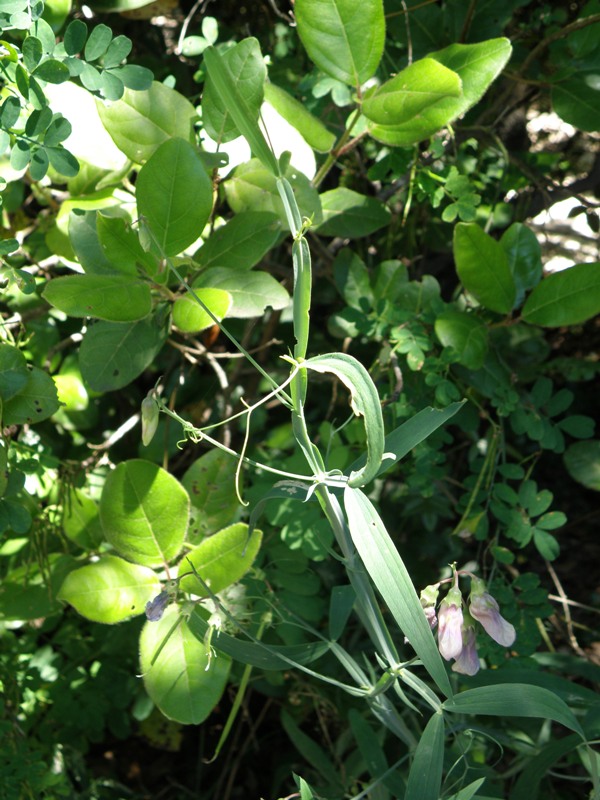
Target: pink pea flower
[468, 661]
[450, 621]
[485, 610]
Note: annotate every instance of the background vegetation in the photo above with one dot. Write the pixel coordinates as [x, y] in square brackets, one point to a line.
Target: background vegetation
[432, 266]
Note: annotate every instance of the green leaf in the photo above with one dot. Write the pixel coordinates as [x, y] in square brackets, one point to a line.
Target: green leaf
[52, 71]
[58, 130]
[524, 258]
[220, 560]
[577, 101]
[35, 402]
[13, 371]
[482, 266]
[144, 513]
[63, 161]
[235, 102]
[117, 51]
[247, 71]
[546, 544]
[110, 590]
[259, 654]
[81, 520]
[477, 66]
[465, 334]
[116, 298]
[514, 700]
[190, 317]
[421, 85]
[411, 433]
[391, 578]
[241, 242]
[210, 483]
[582, 461]
[313, 753]
[351, 215]
[569, 297]
[343, 39]
[120, 245]
[38, 166]
[141, 121]
[83, 236]
[134, 77]
[74, 37]
[165, 184]
[112, 354]
[352, 279]
[251, 187]
[177, 673]
[425, 776]
[251, 292]
[308, 126]
[98, 42]
[365, 403]
[32, 52]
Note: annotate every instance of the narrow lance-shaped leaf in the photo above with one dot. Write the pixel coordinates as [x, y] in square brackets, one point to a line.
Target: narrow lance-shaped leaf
[425, 776]
[365, 403]
[387, 571]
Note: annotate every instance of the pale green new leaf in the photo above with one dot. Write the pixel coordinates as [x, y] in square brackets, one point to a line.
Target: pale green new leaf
[421, 85]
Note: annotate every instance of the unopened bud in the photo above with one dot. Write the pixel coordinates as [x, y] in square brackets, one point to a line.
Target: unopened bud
[150, 414]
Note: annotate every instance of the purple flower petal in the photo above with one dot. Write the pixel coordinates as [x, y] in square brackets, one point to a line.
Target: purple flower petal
[156, 608]
[485, 610]
[468, 661]
[450, 622]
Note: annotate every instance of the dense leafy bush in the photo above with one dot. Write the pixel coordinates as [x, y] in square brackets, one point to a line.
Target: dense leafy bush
[292, 398]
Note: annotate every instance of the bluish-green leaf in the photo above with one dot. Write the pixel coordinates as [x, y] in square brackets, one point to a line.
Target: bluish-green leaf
[514, 700]
[391, 578]
[425, 776]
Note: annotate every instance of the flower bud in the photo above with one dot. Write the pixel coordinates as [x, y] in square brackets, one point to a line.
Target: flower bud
[156, 608]
[485, 610]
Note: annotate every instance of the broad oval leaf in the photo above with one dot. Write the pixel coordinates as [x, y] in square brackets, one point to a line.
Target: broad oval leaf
[112, 354]
[482, 266]
[13, 371]
[35, 402]
[190, 317]
[115, 298]
[248, 72]
[241, 242]
[144, 513]
[342, 37]
[81, 520]
[210, 483]
[582, 460]
[568, 297]
[174, 196]
[221, 559]
[176, 669]
[477, 65]
[109, 590]
[577, 101]
[351, 215]
[467, 335]
[251, 292]
[524, 258]
[365, 403]
[389, 574]
[140, 122]
[422, 84]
